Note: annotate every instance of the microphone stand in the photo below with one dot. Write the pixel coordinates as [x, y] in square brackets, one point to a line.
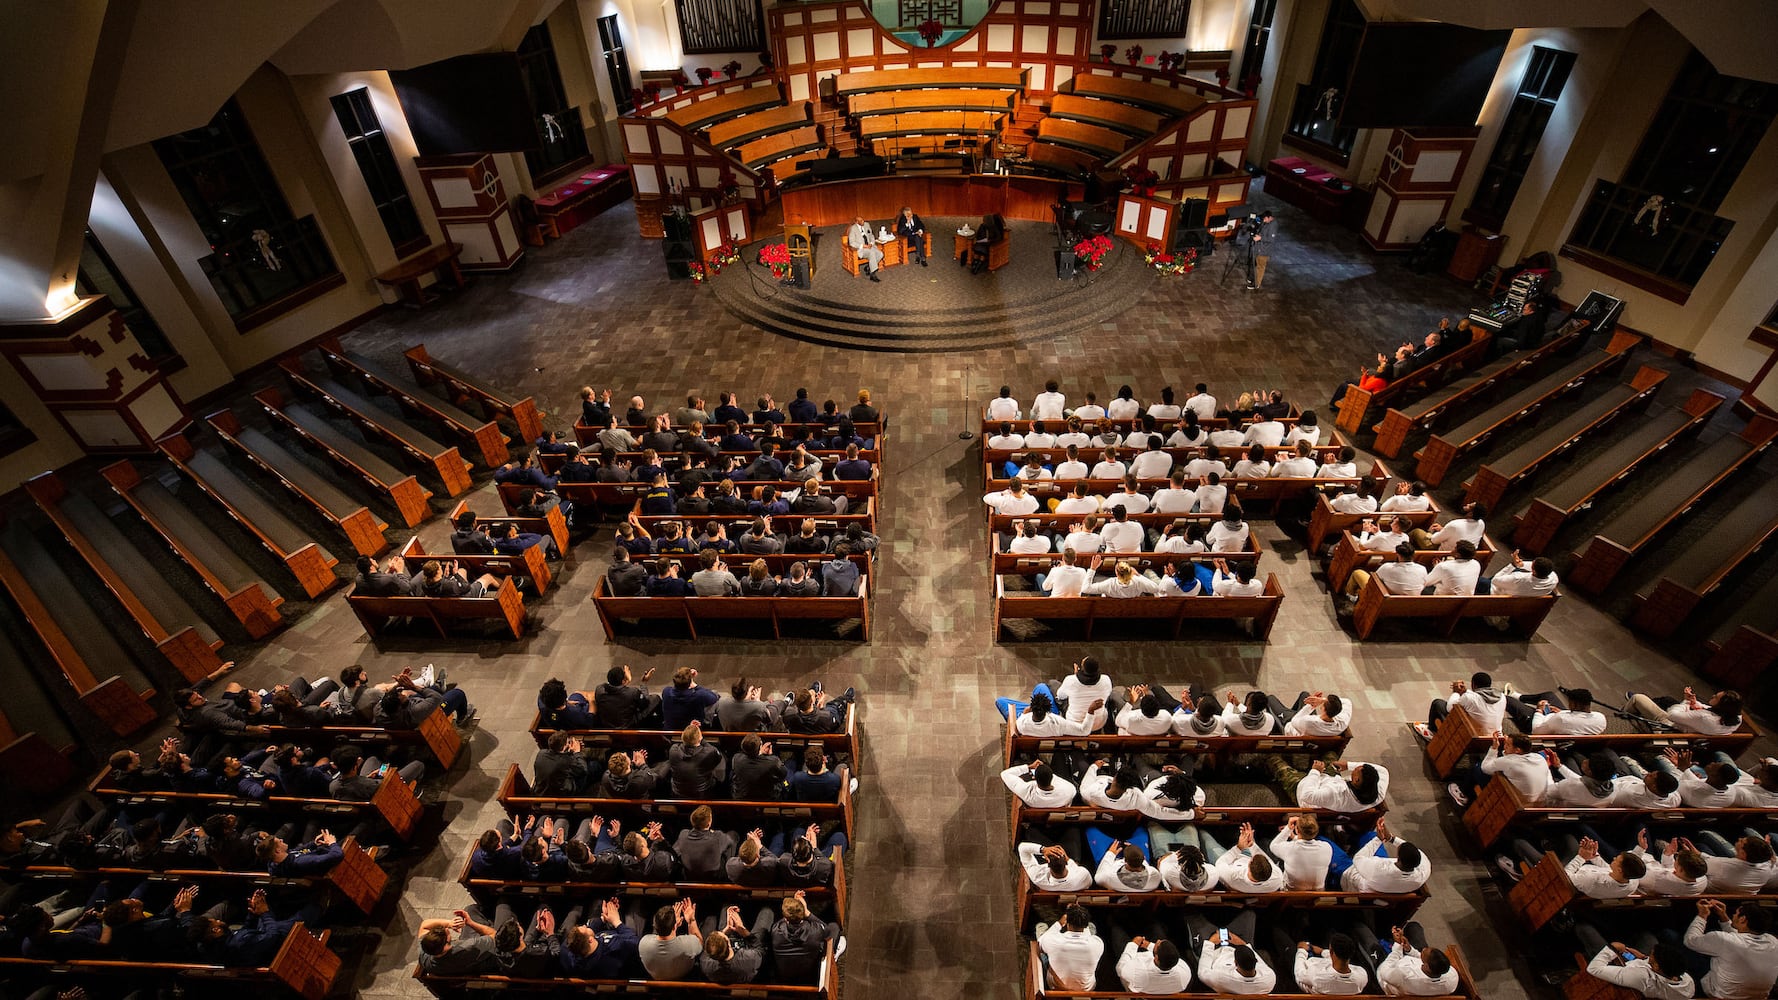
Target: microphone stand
[965, 434]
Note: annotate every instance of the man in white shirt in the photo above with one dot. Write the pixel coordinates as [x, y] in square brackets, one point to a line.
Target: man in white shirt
[1142, 715]
[1520, 580]
[1403, 576]
[1296, 464]
[1468, 528]
[1207, 462]
[1330, 971]
[1386, 863]
[1109, 467]
[1154, 463]
[1007, 439]
[1342, 786]
[1130, 498]
[1319, 714]
[1229, 438]
[1201, 402]
[1485, 706]
[1386, 538]
[1660, 974]
[1240, 584]
[1362, 500]
[1166, 409]
[1078, 501]
[1758, 787]
[1012, 500]
[1003, 406]
[1675, 871]
[1230, 964]
[1083, 536]
[1543, 715]
[1073, 437]
[1343, 468]
[1409, 498]
[1124, 406]
[1305, 857]
[1743, 956]
[1028, 538]
[1514, 758]
[1033, 471]
[1085, 692]
[1592, 877]
[1123, 534]
[1153, 967]
[1211, 496]
[1050, 404]
[1124, 582]
[1113, 790]
[1039, 436]
[1052, 870]
[1037, 786]
[1456, 575]
[1247, 869]
[1072, 951]
[1263, 431]
[1090, 410]
[1064, 580]
[1229, 534]
[1714, 789]
[1648, 791]
[1040, 719]
[1124, 868]
[1174, 498]
[1415, 969]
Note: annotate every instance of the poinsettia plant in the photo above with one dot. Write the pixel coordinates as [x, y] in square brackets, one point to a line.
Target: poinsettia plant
[1091, 251]
[931, 31]
[1172, 263]
[680, 79]
[1107, 52]
[732, 68]
[699, 273]
[1134, 54]
[1142, 180]
[776, 258]
[704, 74]
[1222, 75]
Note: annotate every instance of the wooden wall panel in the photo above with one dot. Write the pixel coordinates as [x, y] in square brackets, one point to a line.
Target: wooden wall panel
[880, 198]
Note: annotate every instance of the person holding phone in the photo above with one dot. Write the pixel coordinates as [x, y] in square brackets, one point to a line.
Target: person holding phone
[1647, 968]
[1227, 961]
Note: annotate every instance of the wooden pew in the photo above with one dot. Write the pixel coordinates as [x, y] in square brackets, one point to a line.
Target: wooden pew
[1460, 396]
[1459, 737]
[1251, 494]
[1211, 814]
[1115, 115]
[303, 967]
[694, 523]
[1536, 526]
[552, 525]
[436, 733]
[253, 602]
[1325, 521]
[1064, 159]
[946, 77]
[1165, 100]
[842, 745]
[361, 527]
[1631, 529]
[517, 798]
[375, 422]
[826, 986]
[485, 438]
[691, 610]
[996, 458]
[461, 387]
[673, 461]
[394, 803]
[1219, 749]
[1174, 611]
[177, 630]
[308, 562]
[356, 878]
[1036, 989]
[1348, 555]
[898, 102]
[781, 145]
[777, 562]
[703, 114]
[1499, 806]
[932, 123]
[1002, 524]
[1143, 907]
[589, 436]
[1376, 604]
[530, 564]
[487, 891]
[1444, 448]
[1745, 645]
[503, 604]
[990, 426]
[1663, 606]
[403, 490]
[742, 129]
[1544, 892]
[1032, 563]
[1355, 405]
[36, 744]
[1494, 478]
[1094, 139]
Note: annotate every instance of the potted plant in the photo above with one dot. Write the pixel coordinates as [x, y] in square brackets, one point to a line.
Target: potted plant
[1090, 252]
[1134, 54]
[776, 258]
[1107, 52]
[704, 75]
[1222, 76]
[931, 31]
[732, 69]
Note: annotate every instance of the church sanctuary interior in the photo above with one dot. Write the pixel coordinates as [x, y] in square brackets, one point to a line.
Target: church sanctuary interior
[874, 499]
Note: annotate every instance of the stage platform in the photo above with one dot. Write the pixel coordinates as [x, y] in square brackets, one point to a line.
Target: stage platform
[942, 307]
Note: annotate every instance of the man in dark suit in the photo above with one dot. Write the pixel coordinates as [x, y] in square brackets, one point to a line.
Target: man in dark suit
[595, 408]
[559, 768]
[620, 704]
[392, 581]
[912, 228]
[803, 409]
[471, 539]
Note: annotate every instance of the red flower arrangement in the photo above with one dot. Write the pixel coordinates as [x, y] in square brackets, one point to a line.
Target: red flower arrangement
[1250, 84]
[931, 31]
[1222, 75]
[1134, 54]
[680, 79]
[732, 69]
[1142, 180]
[1107, 52]
[1091, 251]
[653, 89]
[1169, 263]
[776, 258]
[704, 75]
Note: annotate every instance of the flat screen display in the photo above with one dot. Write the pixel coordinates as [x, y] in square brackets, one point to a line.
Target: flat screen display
[1422, 74]
[468, 104]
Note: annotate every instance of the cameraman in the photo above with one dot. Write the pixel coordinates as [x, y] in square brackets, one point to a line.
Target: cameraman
[1263, 233]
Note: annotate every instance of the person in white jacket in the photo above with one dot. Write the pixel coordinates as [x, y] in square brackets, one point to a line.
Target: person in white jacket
[1250, 718]
[1591, 876]
[1073, 950]
[1085, 692]
[1188, 870]
[1485, 706]
[1743, 956]
[1172, 797]
[1514, 758]
[1115, 790]
[1386, 863]
[1052, 870]
[1232, 966]
[1142, 715]
[1670, 869]
[1040, 719]
[1413, 968]
[1342, 786]
[1153, 967]
[1204, 720]
[1330, 971]
[1124, 868]
[1319, 714]
[1246, 868]
[1303, 855]
[1645, 974]
[1037, 786]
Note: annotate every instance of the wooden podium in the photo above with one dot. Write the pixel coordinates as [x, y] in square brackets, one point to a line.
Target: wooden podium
[800, 238]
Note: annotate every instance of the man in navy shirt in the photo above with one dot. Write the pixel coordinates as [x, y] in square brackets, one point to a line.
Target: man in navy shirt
[683, 702]
[659, 498]
[513, 541]
[852, 467]
[525, 471]
[813, 782]
[803, 409]
[728, 412]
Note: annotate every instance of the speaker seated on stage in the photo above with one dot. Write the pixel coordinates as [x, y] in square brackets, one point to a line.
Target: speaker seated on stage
[992, 247]
[861, 245]
[916, 239]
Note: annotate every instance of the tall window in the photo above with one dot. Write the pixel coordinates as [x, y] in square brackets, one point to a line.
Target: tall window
[99, 276]
[561, 139]
[1143, 18]
[376, 162]
[1659, 222]
[1525, 121]
[261, 255]
[1259, 35]
[1316, 109]
[707, 26]
[617, 65]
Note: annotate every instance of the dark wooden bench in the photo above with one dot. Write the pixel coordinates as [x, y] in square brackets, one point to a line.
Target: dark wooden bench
[436, 733]
[308, 562]
[615, 611]
[1461, 395]
[674, 461]
[573, 200]
[1500, 806]
[588, 437]
[177, 630]
[901, 102]
[529, 564]
[1251, 494]
[998, 457]
[1459, 737]
[1443, 449]
[253, 602]
[1037, 989]
[1019, 747]
[842, 745]
[694, 523]
[1664, 605]
[1172, 611]
[1536, 526]
[551, 525]
[394, 803]
[1544, 891]
[1143, 908]
[1631, 529]
[930, 78]
[517, 798]
[1348, 555]
[614, 497]
[1495, 477]
[1747, 643]
[488, 890]
[761, 153]
[1262, 817]
[374, 422]
[1002, 524]
[826, 986]
[462, 387]
[1032, 563]
[1376, 604]
[1356, 404]
[310, 426]
[483, 436]
[503, 604]
[356, 878]
[302, 967]
[361, 527]
[37, 745]
[1124, 425]
[1325, 521]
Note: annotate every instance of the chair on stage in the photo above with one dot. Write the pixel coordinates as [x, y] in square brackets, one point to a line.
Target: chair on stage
[992, 248]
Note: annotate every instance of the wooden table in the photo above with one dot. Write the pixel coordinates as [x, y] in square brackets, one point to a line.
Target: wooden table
[404, 277]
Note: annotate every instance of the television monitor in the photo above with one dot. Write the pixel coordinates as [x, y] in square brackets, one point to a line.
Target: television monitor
[1421, 74]
[476, 103]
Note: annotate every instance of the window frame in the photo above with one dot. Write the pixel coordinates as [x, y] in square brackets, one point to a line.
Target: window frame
[1521, 132]
[363, 131]
[1341, 34]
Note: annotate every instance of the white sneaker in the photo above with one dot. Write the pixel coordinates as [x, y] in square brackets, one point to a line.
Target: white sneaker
[1508, 689]
[839, 947]
[1041, 928]
[1457, 795]
[1424, 731]
[425, 678]
[854, 786]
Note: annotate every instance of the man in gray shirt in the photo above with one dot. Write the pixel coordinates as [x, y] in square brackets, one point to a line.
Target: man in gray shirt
[668, 954]
[703, 852]
[1263, 238]
[714, 580]
[839, 575]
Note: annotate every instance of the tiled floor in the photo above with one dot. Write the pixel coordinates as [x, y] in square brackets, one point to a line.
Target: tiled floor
[931, 877]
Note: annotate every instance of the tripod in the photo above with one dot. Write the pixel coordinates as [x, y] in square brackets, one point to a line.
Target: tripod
[1244, 257]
